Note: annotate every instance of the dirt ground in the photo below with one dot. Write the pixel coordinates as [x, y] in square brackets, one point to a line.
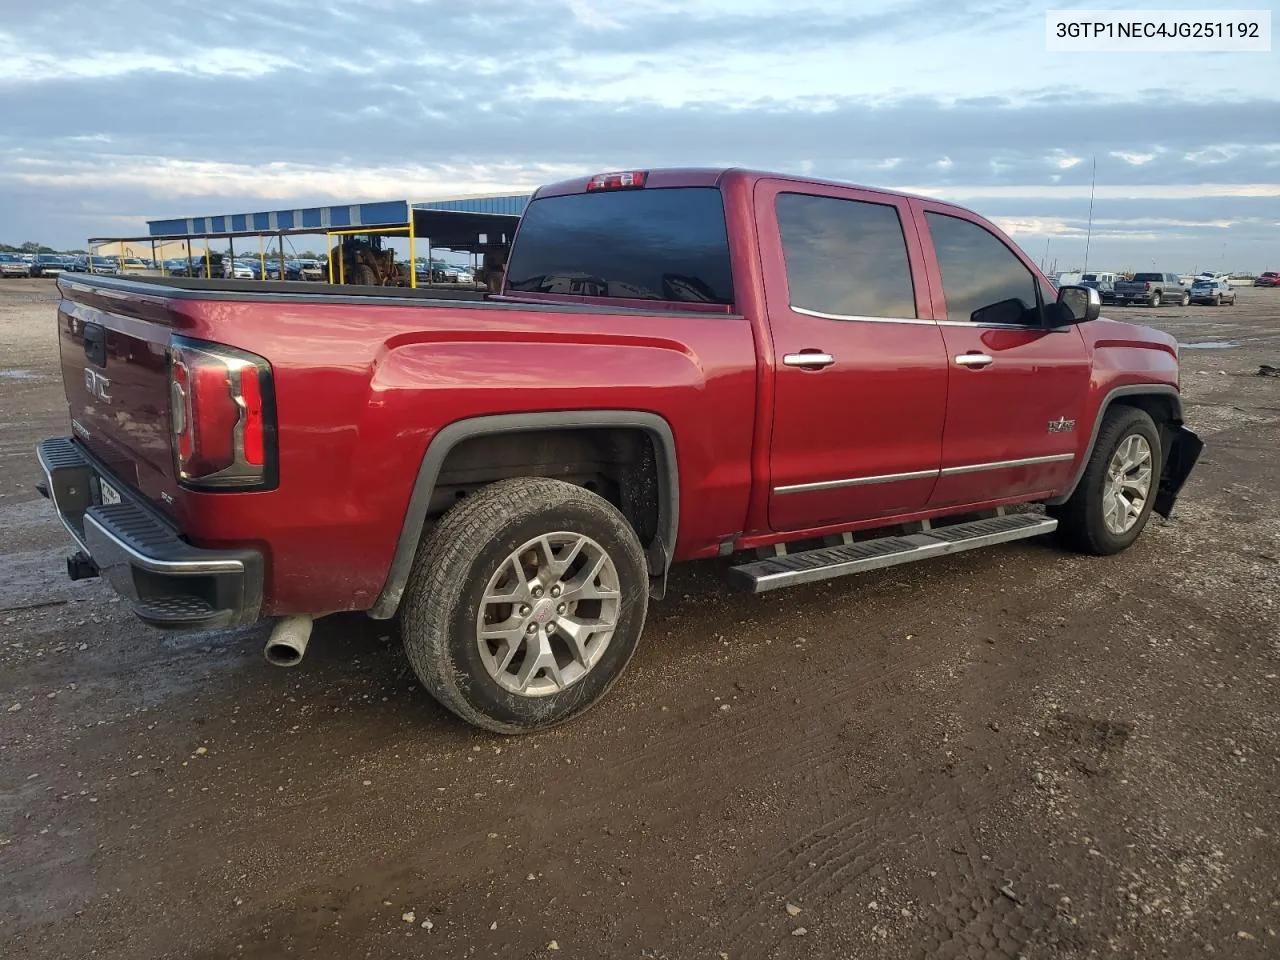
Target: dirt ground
[1011, 753]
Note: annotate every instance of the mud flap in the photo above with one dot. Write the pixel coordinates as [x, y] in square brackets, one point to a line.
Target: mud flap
[1184, 450]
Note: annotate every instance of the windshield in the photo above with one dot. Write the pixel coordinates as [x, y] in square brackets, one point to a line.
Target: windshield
[648, 244]
[1148, 277]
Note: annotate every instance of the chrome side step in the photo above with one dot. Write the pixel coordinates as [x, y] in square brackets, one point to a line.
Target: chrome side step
[838, 561]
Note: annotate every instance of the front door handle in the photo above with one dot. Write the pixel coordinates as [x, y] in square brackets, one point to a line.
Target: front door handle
[977, 360]
[814, 358]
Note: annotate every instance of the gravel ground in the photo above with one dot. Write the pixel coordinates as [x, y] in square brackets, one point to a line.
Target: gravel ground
[1010, 753]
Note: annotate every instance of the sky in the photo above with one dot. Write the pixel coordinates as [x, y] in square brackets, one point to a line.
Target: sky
[113, 112]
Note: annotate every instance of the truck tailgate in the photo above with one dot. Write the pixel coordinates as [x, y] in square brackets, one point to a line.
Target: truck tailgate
[114, 352]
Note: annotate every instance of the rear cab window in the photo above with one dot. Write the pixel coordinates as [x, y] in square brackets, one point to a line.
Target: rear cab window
[663, 244]
[845, 259]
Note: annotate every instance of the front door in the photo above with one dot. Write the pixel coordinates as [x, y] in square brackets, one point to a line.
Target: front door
[859, 371]
[1016, 388]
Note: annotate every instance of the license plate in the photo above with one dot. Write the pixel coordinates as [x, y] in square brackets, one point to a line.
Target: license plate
[109, 493]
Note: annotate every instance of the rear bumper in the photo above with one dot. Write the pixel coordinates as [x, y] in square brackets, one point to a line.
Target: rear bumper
[169, 583]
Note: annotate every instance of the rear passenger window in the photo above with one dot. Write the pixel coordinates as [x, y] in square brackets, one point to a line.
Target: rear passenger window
[845, 258]
[982, 280]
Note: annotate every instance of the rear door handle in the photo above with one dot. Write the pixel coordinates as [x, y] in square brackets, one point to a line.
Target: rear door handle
[813, 358]
[978, 360]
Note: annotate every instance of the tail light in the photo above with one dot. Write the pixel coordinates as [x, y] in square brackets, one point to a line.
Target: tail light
[617, 181]
[1146, 286]
[222, 411]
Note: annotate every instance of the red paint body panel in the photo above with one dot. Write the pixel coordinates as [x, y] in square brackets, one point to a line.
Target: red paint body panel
[877, 411]
[362, 387]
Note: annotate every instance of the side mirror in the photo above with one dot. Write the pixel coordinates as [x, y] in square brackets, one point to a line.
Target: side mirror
[1078, 304]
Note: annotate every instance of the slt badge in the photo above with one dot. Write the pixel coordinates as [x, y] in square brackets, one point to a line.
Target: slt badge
[1061, 425]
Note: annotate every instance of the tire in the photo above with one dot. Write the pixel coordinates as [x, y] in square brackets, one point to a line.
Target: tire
[1217, 301]
[1082, 523]
[1154, 301]
[462, 560]
[365, 276]
[1186, 299]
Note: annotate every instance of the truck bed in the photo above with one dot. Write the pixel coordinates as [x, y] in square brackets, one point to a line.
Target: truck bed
[201, 287]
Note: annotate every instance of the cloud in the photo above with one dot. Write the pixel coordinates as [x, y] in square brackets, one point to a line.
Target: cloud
[115, 112]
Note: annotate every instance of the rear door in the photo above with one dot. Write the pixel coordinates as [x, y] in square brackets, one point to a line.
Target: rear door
[1016, 389]
[860, 371]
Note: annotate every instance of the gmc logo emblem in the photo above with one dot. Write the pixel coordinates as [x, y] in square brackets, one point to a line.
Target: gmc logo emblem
[97, 385]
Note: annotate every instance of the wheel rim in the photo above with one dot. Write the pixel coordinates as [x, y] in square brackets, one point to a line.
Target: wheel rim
[1128, 483]
[548, 613]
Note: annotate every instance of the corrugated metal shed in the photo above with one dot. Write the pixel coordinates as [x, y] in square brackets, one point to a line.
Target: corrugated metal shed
[510, 206]
[388, 213]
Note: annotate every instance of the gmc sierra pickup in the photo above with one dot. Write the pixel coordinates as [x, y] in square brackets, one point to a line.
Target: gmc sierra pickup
[1152, 289]
[814, 378]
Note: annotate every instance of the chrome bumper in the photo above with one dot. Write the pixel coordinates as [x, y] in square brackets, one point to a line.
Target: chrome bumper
[169, 583]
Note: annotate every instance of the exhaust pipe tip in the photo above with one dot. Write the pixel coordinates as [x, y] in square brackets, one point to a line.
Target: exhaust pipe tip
[287, 644]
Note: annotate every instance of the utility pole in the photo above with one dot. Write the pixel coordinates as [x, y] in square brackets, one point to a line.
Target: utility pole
[1093, 182]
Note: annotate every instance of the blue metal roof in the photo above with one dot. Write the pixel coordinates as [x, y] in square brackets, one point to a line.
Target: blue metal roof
[508, 206]
[302, 220]
[388, 213]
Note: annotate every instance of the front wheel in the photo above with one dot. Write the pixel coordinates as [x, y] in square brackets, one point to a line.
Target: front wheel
[525, 604]
[1186, 299]
[1112, 502]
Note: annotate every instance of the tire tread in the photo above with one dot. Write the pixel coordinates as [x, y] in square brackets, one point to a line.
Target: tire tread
[440, 572]
[1079, 519]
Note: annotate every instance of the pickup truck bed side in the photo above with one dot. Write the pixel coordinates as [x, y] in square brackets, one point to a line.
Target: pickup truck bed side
[359, 403]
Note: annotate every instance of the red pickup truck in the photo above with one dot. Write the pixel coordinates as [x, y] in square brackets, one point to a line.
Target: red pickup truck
[815, 378]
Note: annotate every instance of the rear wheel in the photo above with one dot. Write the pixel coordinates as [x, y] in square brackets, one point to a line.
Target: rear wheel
[525, 604]
[1155, 300]
[1113, 500]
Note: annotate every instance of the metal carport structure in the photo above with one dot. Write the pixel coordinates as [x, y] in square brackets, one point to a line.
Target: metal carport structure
[474, 224]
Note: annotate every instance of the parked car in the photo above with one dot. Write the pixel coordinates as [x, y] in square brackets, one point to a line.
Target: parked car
[788, 371]
[1104, 283]
[12, 265]
[1268, 279]
[103, 266]
[1152, 289]
[313, 269]
[437, 272]
[241, 269]
[292, 270]
[1213, 292]
[50, 265]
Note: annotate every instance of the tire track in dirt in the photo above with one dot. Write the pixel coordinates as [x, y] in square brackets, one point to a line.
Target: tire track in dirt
[971, 913]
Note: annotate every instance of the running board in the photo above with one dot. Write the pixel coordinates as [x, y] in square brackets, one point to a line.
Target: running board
[838, 561]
